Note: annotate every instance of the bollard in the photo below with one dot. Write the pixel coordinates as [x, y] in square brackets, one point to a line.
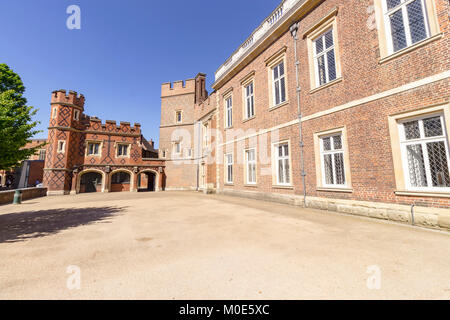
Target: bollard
[17, 197]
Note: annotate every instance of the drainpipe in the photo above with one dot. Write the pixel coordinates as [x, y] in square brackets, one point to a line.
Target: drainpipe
[294, 33]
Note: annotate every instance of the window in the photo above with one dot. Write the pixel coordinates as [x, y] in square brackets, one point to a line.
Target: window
[205, 135]
[250, 165]
[179, 117]
[229, 168]
[425, 154]
[61, 146]
[120, 178]
[324, 58]
[42, 154]
[76, 115]
[229, 112]
[177, 147]
[163, 153]
[122, 150]
[93, 149]
[279, 84]
[249, 101]
[54, 112]
[406, 23]
[189, 152]
[332, 160]
[282, 163]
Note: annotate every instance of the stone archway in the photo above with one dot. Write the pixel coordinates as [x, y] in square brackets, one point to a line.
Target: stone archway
[90, 181]
[121, 181]
[148, 181]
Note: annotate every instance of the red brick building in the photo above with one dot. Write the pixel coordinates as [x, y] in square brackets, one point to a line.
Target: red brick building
[30, 171]
[330, 104]
[86, 155]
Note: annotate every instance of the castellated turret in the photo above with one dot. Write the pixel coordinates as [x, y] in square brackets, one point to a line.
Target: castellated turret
[64, 136]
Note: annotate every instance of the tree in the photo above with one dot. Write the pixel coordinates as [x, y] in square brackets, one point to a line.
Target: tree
[16, 125]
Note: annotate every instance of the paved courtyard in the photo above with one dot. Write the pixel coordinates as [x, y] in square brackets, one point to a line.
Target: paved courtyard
[185, 245]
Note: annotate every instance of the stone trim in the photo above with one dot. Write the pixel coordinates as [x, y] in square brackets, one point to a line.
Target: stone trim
[428, 217]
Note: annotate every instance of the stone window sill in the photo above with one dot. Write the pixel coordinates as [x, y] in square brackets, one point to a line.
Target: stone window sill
[410, 48]
[248, 119]
[341, 190]
[283, 187]
[279, 105]
[422, 194]
[326, 85]
[251, 185]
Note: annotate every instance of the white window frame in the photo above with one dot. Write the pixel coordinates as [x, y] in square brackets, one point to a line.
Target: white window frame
[402, 6]
[422, 141]
[123, 155]
[332, 152]
[61, 147]
[275, 80]
[249, 164]
[177, 147]
[228, 112]
[324, 53]
[76, 115]
[249, 98]
[277, 158]
[229, 164]
[94, 154]
[42, 152]
[54, 112]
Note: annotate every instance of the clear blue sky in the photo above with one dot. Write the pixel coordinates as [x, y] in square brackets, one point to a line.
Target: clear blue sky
[123, 52]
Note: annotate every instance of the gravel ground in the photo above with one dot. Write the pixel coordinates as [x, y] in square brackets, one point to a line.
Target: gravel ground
[186, 245]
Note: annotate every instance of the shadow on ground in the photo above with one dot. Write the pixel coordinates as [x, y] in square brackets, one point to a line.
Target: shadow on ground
[21, 226]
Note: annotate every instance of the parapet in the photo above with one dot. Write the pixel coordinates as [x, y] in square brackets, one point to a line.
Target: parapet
[95, 124]
[176, 88]
[61, 97]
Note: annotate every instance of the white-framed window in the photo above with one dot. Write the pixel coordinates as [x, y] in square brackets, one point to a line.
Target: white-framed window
[93, 149]
[61, 146]
[42, 154]
[229, 168]
[122, 150]
[249, 101]
[205, 135]
[229, 112]
[425, 153]
[279, 84]
[179, 116]
[332, 161]
[406, 23]
[250, 165]
[282, 162]
[177, 147]
[325, 58]
[76, 115]
[54, 112]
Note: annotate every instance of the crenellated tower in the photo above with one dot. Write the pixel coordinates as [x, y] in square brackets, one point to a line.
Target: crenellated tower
[64, 141]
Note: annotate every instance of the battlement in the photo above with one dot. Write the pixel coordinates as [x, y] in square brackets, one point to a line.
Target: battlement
[61, 97]
[169, 89]
[95, 124]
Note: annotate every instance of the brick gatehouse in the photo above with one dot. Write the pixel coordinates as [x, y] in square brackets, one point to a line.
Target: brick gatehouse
[86, 155]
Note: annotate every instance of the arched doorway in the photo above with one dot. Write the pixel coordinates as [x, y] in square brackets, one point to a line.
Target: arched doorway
[147, 181]
[120, 181]
[91, 182]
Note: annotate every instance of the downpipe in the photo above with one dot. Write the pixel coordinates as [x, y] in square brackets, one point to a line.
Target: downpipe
[294, 33]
